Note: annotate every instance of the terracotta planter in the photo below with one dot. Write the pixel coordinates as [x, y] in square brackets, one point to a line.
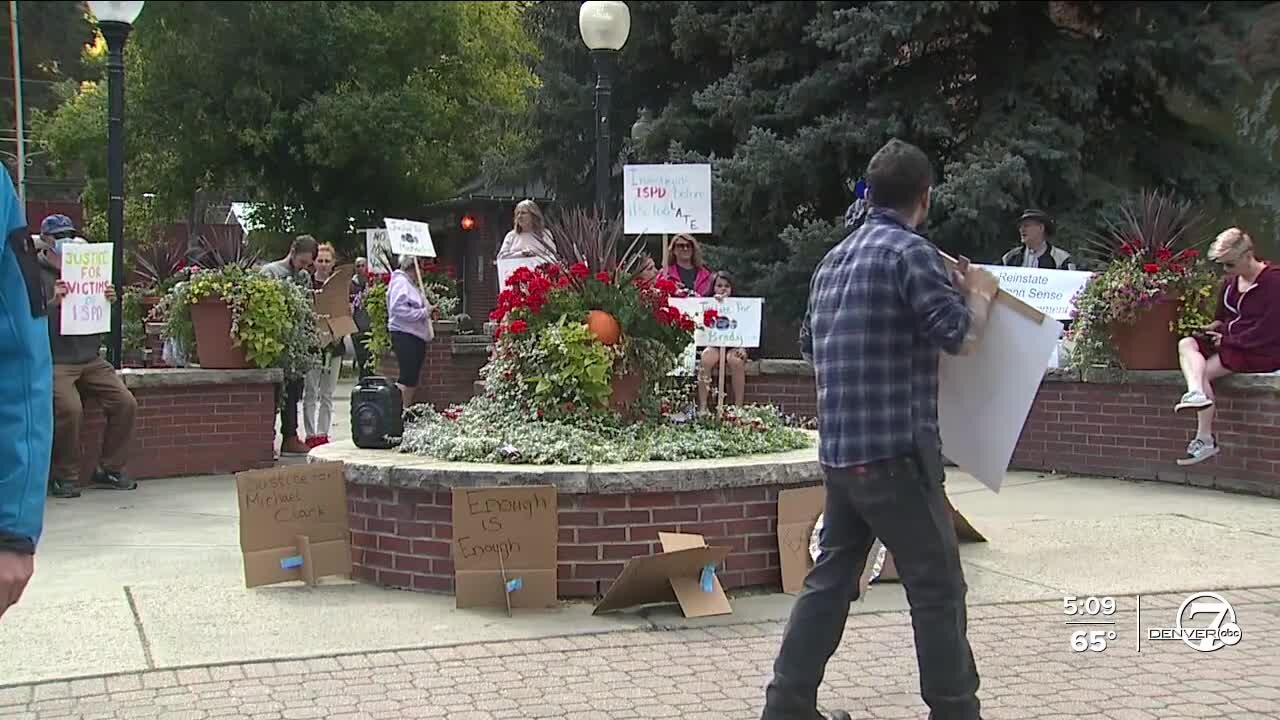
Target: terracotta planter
[1149, 344]
[625, 391]
[214, 349]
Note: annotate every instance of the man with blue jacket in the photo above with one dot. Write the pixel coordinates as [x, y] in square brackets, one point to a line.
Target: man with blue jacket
[26, 413]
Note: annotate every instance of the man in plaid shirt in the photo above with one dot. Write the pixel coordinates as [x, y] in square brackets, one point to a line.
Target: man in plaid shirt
[881, 307]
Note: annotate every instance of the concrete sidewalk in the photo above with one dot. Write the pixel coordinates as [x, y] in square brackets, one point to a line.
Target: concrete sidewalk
[153, 579]
[1029, 671]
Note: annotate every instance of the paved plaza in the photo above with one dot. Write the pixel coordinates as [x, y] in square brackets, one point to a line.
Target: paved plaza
[1024, 651]
[138, 609]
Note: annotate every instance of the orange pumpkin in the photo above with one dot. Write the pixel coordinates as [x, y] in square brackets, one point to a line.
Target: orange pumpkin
[604, 325]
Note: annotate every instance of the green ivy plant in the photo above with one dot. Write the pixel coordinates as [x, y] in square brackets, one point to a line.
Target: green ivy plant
[576, 370]
[270, 319]
[375, 303]
[132, 322]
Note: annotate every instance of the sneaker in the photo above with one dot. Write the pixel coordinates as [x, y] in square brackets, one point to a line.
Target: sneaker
[107, 480]
[1199, 450]
[63, 489]
[322, 440]
[312, 441]
[293, 446]
[1193, 402]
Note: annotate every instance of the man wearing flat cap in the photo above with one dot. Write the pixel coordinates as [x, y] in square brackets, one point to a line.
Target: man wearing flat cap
[1037, 251]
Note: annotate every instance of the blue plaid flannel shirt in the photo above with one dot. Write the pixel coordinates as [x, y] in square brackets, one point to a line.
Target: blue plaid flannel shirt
[881, 307]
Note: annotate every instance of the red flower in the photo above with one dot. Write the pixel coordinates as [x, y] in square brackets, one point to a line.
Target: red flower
[562, 281]
[497, 314]
[580, 270]
[551, 270]
[1151, 268]
[522, 274]
[1189, 253]
[1164, 253]
[519, 326]
[665, 284]
[602, 276]
[1126, 249]
[497, 333]
[1177, 267]
[709, 317]
[686, 324]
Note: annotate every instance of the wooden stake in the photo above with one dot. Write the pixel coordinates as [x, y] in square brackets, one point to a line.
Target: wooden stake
[308, 566]
[723, 362]
[666, 252]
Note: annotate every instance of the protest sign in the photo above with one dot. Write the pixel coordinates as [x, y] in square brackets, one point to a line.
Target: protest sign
[737, 323]
[504, 546]
[333, 306]
[293, 523]
[984, 397]
[86, 269]
[410, 237]
[666, 199]
[377, 245]
[1052, 292]
[507, 266]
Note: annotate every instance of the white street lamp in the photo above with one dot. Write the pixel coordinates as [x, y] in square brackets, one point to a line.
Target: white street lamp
[605, 26]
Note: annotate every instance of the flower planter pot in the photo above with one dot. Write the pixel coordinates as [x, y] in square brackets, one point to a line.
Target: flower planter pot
[1149, 343]
[625, 391]
[211, 320]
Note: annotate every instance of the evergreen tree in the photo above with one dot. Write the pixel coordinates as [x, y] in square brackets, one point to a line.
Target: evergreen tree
[1065, 106]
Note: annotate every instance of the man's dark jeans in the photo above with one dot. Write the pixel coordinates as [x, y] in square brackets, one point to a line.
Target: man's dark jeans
[906, 508]
[288, 406]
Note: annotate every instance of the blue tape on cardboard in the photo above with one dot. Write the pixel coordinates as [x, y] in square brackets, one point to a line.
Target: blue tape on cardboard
[514, 584]
[291, 562]
[708, 578]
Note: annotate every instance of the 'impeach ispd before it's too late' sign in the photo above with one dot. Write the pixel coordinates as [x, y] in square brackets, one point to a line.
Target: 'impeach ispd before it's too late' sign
[1052, 292]
[666, 199]
[86, 269]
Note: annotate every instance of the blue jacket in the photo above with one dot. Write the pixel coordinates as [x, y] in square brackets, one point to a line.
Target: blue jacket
[26, 382]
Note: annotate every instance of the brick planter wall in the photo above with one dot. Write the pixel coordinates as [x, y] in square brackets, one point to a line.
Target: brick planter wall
[451, 366]
[192, 422]
[401, 537]
[1122, 424]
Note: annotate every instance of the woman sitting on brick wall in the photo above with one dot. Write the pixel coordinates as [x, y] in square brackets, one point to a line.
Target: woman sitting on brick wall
[735, 358]
[1243, 338]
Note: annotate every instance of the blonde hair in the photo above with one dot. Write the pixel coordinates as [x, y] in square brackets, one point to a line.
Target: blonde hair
[539, 222]
[327, 246]
[1230, 243]
[697, 249]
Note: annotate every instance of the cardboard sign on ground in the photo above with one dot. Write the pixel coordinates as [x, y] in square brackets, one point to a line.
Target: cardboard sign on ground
[684, 572]
[293, 523]
[798, 511]
[504, 546]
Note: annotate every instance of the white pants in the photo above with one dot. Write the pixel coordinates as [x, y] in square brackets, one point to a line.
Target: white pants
[319, 387]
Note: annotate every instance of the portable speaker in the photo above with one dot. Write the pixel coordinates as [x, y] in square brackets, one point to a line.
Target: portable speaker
[377, 419]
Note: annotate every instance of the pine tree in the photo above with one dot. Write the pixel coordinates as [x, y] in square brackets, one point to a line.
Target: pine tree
[1065, 106]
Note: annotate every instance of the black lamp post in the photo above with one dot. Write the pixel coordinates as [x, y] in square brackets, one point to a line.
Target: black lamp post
[115, 20]
[604, 27]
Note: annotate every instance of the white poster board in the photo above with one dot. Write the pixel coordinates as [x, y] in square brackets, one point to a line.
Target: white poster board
[507, 266]
[738, 324]
[410, 237]
[984, 397]
[86, 269]
[377, 244]
[1052, 292]
[666, 199]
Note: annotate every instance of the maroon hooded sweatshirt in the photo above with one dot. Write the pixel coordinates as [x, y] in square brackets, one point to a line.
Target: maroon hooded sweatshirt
[1251, 332]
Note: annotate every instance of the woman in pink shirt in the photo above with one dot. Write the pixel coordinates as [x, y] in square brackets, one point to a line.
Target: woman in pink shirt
[688, 269]
[1243, 338]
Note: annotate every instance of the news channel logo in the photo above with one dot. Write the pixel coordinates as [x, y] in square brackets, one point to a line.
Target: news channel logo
[1205, 622]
